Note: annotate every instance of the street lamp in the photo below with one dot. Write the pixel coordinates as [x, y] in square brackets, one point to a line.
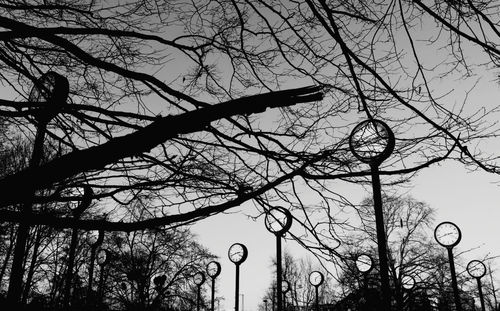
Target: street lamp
[448, 235]
[93, 238]
[364, 264]
[278, 220]
[85, 193]
[237, 253]
[51, 89]
[199, 279]
[213, 271]
[372, 142]
[103, 257]
[316, 278]
[477, 270]
[408, 284]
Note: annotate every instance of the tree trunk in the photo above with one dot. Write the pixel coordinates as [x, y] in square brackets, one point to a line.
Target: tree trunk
[13, 232]
[34, 257]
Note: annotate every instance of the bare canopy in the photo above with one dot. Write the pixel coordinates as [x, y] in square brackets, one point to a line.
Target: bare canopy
[169, 101]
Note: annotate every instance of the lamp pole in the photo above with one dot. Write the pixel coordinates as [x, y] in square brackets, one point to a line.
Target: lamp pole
[51, 88]
[237, 253]
[213, 270]
[77, 212]
[278, 220]
[364, 264]
[454, 283]
[372, 142]
[102, 260]
[408, 284]
[199, 279]
[477, 270]
[93, 241]
[448, 234]
[316, 278]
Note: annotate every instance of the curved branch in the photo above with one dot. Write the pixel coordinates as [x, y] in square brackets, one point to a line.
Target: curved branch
[16, 187]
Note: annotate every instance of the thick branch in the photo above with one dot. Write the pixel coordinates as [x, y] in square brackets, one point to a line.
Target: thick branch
[19, 185]
[157, 222]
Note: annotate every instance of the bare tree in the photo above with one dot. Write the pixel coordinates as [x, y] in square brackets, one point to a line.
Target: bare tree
[166, 100]
[412, 252]
[114, 121]
[141, 256]
[301, 293]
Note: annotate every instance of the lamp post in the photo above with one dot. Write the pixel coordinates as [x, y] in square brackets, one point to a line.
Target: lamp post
[93, 239]
[372, 142]
[213, 271]
[408, 283]
[448, 235]
[477, 270]
[316, 278]
[102, 260]
[199, 279]
[364, 264]
[285, 287]
[159, 280]
[265, 304]
[237, 253]
[278, 220]
[86, 199]
[51, 89]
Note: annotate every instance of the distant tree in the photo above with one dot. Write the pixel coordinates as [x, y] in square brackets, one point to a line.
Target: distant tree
[139, 257]
[412, 252]
[301, 294]
[135, 259]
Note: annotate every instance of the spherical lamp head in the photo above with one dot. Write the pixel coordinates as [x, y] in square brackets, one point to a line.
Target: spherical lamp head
[364, 263]
[476, 269]
[199, 278]
[237, 253]
[372, 141]
[408, 282]
[213, 269]
[447, 234]
[53, 89]
[278, 220]
[316, 278]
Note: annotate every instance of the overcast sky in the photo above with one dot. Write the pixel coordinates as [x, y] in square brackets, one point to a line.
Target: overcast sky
[471, 200]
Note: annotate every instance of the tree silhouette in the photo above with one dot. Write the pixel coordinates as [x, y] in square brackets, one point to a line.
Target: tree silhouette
[202, 106]
[189, 126]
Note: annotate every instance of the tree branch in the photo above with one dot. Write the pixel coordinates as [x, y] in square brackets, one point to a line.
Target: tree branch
[18, 186]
